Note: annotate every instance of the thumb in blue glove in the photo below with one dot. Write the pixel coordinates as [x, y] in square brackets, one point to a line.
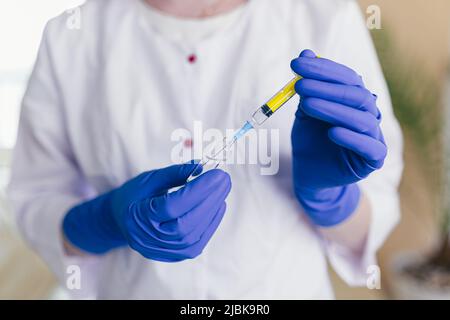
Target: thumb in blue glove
[336, 138]
[161, 225]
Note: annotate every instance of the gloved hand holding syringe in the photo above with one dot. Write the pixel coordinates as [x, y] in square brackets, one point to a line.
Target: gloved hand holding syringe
[213, 159]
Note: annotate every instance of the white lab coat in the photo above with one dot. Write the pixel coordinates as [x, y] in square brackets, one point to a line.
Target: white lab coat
[100, 108]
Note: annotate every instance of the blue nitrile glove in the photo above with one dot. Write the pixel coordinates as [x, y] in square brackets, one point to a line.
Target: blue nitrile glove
[336, 138]
[142, 214]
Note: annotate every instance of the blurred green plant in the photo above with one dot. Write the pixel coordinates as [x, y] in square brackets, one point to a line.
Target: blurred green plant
[417, 102]
[416, 96]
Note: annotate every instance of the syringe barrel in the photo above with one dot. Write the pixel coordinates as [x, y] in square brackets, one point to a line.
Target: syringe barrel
[260, 116]
[276, 102]
[282, 96]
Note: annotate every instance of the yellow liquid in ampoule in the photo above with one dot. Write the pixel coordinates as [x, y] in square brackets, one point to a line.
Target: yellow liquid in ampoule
[282, 96]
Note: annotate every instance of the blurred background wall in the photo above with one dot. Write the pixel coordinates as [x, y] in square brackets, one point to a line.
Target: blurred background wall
[22, 273]
[413, 45]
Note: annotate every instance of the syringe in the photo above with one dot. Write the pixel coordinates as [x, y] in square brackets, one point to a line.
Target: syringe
[263, 113]
[275, 103]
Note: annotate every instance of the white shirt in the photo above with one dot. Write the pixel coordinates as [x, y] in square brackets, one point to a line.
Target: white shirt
[102, 105]
[188, 32]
